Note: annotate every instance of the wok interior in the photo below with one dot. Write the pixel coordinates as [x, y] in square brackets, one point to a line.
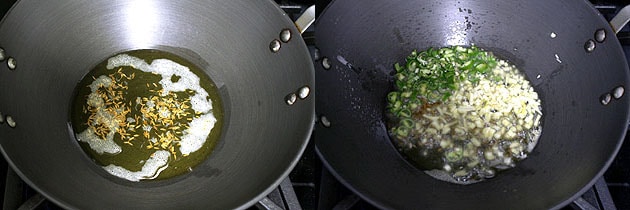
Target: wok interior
[579, 135]
[56, 44]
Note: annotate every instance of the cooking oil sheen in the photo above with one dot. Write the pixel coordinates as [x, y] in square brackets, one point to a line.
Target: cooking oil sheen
[147, 115]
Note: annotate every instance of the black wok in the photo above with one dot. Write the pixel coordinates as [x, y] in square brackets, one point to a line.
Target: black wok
[56, 42]
[361, 40]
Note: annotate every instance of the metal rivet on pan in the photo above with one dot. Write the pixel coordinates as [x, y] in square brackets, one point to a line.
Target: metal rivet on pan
[589, 46]
[325, 121]
[285, 35]
[290, 99]
[11, 63]
[600, 35]
[326, 63]
[274, 46]
[303, 92]
[3, 55]
[617, 93]
[605, 99]
[316, 54]
[553, 35]
[10, 121]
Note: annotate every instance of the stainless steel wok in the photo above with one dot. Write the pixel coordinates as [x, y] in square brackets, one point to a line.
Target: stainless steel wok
[237, 43]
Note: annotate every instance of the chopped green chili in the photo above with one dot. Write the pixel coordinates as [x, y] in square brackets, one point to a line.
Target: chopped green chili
[434, 74]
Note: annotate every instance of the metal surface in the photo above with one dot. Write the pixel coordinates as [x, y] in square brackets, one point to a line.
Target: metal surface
[283, 197]
[583, 204]
[289, 196]
[580, 136]
[13, 191]
[33, 202]
[57, 42]
[306, 19]
[347, 203]
[605, 199]
[621, 19]
[266, 203]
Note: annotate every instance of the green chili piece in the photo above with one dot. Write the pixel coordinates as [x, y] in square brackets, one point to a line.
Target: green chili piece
[392, 97]
[408, 123]
[453, 156]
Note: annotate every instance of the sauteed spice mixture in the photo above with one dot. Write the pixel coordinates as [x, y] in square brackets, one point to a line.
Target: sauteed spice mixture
[160, 123]
[461, 114]
[147, 114]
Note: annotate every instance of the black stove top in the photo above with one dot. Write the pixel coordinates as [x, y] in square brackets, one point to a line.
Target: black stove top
[311, 186]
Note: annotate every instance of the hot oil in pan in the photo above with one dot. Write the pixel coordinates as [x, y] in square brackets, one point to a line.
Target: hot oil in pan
[461, 114]
[147, 114]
